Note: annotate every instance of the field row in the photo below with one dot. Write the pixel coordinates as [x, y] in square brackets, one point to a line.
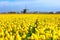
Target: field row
[29, 27]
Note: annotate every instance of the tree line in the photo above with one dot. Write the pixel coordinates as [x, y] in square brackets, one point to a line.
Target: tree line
[25, 11]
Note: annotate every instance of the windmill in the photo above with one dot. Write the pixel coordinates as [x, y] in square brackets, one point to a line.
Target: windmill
[25, 10]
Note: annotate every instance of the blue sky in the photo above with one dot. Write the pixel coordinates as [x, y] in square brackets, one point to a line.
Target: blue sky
[31, 5]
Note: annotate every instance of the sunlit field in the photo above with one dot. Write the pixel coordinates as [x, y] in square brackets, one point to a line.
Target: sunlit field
[29, 26]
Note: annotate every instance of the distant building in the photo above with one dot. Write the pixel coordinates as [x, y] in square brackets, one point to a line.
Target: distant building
[24, 11]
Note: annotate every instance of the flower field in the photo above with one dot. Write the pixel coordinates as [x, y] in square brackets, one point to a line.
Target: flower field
[29, 26]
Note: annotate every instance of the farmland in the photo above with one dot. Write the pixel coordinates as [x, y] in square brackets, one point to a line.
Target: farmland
[29, 26]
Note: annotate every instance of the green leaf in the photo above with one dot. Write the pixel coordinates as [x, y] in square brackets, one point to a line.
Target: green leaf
[36, 23]
[33, 30]
[20, 34]
[46, 30]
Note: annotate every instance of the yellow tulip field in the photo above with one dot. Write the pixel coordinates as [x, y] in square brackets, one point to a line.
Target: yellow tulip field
[29, 26]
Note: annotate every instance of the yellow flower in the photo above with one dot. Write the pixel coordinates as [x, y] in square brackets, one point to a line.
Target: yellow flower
[41, 31]
[5, 38]
[24, 35]
[11, 37]
[48, 35]
[55, 37]
[42, 37]
[1, 38]
[1, 30]
[58, 32]
[34, 37]
[18, 37]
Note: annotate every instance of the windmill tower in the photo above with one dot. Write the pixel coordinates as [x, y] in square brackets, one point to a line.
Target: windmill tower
[24, 10]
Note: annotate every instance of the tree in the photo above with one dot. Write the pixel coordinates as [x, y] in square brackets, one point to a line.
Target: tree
[51, 13]
[12, 12]
[58, 12]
